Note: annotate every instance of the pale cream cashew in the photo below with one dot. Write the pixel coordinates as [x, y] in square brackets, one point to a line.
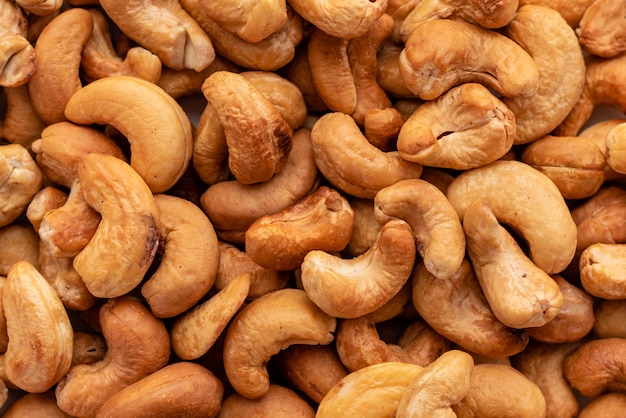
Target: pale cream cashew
[616, 148]
[17, 55]
[603, 270]
[349, 288]
[279, 401]
[601, 30]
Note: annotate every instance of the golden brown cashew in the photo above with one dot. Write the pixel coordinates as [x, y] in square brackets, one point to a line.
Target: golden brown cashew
[88, 348]
[18, 242]
[349, 288]
[38, 327]
[442, 383]
[164, 28]
[122, 249]
[178, 389]
[443, 53]
[382, 126]
[365, 226]
[279, 319]
[22, 125]
[554, 49]
[373, 391]
[603, 270]
[155, 125]
[601, 30]
[464, 128]
[17, 55]
[388, 72]
[278, 402]
[609, 405]
[572, 11]
[608, 323]
[616, 148]
[35, 404]
[457, 309]
[596, 367]
[526, 200]
[137, 345]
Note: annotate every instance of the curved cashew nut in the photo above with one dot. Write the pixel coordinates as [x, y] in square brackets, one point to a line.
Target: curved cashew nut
[616, 148]
[346, 158]
[443, 53]
[278, 401]
[155, 125]
[554, 48]
[280, 318]
[464, 128]
[602, 268]
[571, 10]
[177, 39]
[601, 31]
[442, 383]
[436, 226]
[349, 288]
[122, 249]
[528, 201]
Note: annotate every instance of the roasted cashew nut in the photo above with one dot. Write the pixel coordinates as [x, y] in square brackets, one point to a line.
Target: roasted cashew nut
[22, 124]
[17, 55]
[601, 31]
[616, 148]
[602, 267]
[278, 401]
[608, 321]
[611, 404]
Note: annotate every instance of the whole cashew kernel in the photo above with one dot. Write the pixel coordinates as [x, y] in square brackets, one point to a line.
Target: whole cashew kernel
[278, 402]
[601, 31]
[17, 55]
[603, 269]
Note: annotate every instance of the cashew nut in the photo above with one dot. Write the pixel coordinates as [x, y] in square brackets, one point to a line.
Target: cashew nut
[17, 55]
[601, 31]
[35, 404]
[365, 226]
[609, 405]
[88, 348]
[22, 124]
[597, 133]
[572, 11]
[616, 148]
[603, 270]
[17, 243]
[278, 402]
[608, 323]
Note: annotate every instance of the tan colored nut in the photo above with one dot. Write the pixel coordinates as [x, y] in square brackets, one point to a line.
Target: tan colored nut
[20, 179]
[349, 288]
[359, 344]
[88, 348]
[443, 53]
[498, 390]
[123, 247]
[279, 319]
[399, 10]
[137, 345]
[554, 49]
[311, 369]
[44, 200]
[178, 389]
[603, 270]
[4, 336]
[55, 81]
[365, 226]
[347, 159]
[464, 128]
[17, 55]
[616, 148]
[177, 39]
[574, 320]
[527, 200]
[188, 265]
[457, 309]
[382, 127]
[609, 405]
[597, 133]
[99, 59]
[40, 8]
[298, 71]
[543, 364]
[22, 125]
[436, 227]
[608, 323]
[234, 262]
[341, 19]
[38, 327]
[395, 307]
[157, 128]
[601, 31]
[35, 404]
[278, 402]
[373, 391]
[388, 72]
[572, 11]
[574, 163]
[442, 383]
[196, 330]
[596, 367]
[18, 242]
[321, 221]
[233, 206]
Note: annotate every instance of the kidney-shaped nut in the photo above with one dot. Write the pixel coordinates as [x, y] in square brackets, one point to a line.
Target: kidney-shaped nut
[349, 288]
[443, 53]
[321, 221]
[20, 179]
[438, 232]
[278, 319]
[616, 148]
[137, 345]
[155, 125]
[188, 266]
[464, 128]
[528, 201]
[601, 30]
[38, 327]
[553, 46]
[278, 402]
[347, 159]
[597, 366]
[178, 389]
[603, 270]
[373, 391]
[442, 383]
[123, 247]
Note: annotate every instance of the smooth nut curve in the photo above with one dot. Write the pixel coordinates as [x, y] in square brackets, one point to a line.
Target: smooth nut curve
[602, 267]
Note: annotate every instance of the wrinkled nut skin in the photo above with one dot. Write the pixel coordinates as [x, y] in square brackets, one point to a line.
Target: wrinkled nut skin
[48, 198]
[321, 221]
[608, 323]
[17, 55]
[137, 345]
[178, 389]
[20, 179]
[279, 319]
[603, 269]
[278, 402]
[18, 242]
[596, 367]
[349, 288]
[443, 53]
[123, 247]
[609, 405]
[158, 129]
[464, 128]
[600, 31]
[38, 327]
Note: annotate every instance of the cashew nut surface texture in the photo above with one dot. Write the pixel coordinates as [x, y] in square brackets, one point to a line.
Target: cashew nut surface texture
[601, 30]
[616, 148]
[602, 269]
[22, 124]
[278, 319]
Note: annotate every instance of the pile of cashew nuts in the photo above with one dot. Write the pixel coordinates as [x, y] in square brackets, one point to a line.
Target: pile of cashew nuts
[376, 208]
